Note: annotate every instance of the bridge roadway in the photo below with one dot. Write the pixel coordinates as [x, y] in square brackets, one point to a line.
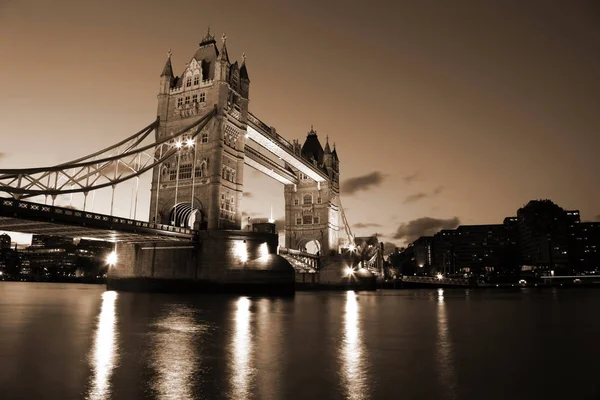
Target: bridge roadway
[266, 137]
[34, 218]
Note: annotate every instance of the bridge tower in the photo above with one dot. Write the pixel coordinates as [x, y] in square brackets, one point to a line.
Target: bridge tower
[312, 209]
[201, 186]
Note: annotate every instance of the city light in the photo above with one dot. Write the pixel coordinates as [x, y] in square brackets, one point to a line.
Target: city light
[352, 247]
[440, 276]
[189, 142]
[111, 259]
[178, 144]
[349, 271]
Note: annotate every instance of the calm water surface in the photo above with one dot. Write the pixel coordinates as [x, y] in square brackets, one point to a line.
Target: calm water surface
[82, 342]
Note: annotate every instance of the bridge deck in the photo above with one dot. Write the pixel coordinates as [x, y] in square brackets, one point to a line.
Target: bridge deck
[34, 218]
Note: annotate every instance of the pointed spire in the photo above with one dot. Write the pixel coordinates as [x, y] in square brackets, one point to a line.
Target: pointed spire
[168, 69]
[223, 53]
[334, 152]
[312, 131]
[243, 69]
[327, 148]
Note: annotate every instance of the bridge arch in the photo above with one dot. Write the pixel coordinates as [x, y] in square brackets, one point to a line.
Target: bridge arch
[310, 245]
[188, 215]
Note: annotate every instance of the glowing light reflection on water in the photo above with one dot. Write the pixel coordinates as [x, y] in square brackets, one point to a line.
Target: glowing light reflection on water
[445, 357]
[104, 355]
[353, 375]
[175, 359]
[241, 349]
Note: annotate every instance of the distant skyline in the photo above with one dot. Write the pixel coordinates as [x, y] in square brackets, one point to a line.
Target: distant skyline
[441, 115]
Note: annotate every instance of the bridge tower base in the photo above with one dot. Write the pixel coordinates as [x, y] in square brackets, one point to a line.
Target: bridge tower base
[219, 262]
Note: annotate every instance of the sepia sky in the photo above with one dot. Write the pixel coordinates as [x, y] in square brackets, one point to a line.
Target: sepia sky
[442, 112]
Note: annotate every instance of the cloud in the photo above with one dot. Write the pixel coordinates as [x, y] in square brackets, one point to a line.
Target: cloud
[421, 195]
[361, 225]
[247, 194]
[410, 178]
[425, 226]
[414, 197]
[364, 182]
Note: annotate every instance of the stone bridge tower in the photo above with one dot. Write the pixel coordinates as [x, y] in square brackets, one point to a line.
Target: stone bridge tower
[201, 186]
[312, 209]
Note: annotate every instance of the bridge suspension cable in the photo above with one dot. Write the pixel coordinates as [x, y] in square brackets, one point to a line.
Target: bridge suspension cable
[115, 164]
[346, 224]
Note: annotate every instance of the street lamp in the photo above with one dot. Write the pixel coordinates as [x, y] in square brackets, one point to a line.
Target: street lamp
[190, 143]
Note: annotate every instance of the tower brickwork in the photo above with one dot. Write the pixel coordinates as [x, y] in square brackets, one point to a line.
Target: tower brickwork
[312, 209]
[202, 184]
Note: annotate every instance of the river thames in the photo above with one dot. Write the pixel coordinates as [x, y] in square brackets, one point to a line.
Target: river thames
[69, 341]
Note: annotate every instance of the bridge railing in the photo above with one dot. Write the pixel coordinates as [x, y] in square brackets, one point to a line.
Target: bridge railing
[61, 214]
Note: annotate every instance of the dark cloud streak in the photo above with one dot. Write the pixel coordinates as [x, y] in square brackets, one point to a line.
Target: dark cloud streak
[361, 225]
[410, 178]
[363, 183]
[425, 226]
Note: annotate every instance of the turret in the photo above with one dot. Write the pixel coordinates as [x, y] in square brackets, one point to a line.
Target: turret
[327, 155]
[166, 77]
[244, 79]
[222, 66]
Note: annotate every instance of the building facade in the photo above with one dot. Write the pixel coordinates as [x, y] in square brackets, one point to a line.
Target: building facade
[201, 185]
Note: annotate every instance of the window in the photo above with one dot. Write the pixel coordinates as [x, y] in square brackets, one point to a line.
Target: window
[307, 219]
[205, 70]
[319, 200]
[296, 202]
[187, 99]
[179, 102]
[228, 174]
[188, 81]
[185, 171]
[172, 174]
[298, 221]
[202, 97]
[204, 137]
[198, 171]
[196, 79]
[195, 98]
[307, 199]
[316, 219]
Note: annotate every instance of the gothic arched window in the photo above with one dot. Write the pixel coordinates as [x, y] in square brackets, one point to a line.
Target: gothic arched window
[307, 199]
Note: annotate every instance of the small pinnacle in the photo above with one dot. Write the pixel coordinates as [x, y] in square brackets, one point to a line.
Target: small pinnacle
[224, 37]
[169, 53]
[243, 57]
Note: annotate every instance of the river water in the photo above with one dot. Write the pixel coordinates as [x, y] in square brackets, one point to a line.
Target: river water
[69, 341]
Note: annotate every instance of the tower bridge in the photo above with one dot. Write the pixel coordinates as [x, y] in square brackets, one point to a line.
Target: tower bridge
[204, 135]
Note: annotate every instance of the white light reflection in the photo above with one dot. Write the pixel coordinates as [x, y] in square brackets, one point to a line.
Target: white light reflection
[353, 370]
[104, 356]
[241, 350]
[175, 359]
[444, 348]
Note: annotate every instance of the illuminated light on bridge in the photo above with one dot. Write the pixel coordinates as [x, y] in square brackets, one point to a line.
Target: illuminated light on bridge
[104, 354]
[349, 271]
[440, 276]
[241, 250]
[263, 250]
[111, 259]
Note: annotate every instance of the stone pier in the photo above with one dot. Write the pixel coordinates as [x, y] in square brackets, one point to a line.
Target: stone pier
[220, 261]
